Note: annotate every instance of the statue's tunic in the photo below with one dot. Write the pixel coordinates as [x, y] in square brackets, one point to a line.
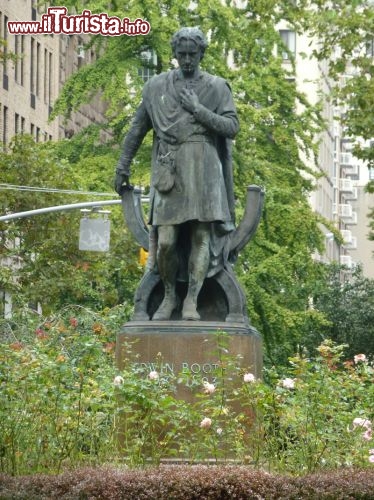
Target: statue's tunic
[191, 159]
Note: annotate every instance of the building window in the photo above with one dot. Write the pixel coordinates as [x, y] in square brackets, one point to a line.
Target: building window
[147, 70]
[16, 123]
[81, 53]
[4, 36]
[17, 54]
[37, 70]
[5, 125]
[371, 173]
[32, 67]
[50, 79]
[22, 125]
[5, 39]
[22, 62]
[46, 76]
[289, 40]
[19, 50]
[33, 10]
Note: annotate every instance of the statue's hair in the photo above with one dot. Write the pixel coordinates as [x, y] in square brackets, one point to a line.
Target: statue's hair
[189, 33]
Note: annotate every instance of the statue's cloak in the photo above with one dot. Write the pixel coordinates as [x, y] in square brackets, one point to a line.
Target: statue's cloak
[196, 159]
[199, 157]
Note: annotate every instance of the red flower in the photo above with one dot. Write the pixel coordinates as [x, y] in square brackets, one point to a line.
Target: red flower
[97, 328]
[16, 346]
[41, 334]
[109, 347]
[73, 322]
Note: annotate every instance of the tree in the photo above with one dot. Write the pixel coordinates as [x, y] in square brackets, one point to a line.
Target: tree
[344, 29]
[44, 263]
[349, 308]
[277, 270]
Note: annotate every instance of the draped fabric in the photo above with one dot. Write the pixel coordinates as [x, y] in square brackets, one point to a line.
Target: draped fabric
[191, 157]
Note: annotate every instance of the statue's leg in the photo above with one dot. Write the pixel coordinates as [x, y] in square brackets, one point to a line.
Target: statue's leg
[167, 261]
[152, 249]
[197, 267]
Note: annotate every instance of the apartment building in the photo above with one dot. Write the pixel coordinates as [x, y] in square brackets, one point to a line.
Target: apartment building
[312, 80]
[361, 249]
[31, 79]
[340, 195]
[352, 203]
[30, 84]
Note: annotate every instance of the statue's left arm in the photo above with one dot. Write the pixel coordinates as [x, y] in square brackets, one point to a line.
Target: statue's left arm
[223, 120]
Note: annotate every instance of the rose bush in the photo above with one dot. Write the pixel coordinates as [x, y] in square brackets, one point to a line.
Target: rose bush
[64, 404]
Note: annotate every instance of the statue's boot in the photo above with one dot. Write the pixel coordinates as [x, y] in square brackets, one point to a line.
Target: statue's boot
[167, 306]
[189, 311]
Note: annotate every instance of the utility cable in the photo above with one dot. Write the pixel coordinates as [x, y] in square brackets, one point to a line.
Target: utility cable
[14, 187]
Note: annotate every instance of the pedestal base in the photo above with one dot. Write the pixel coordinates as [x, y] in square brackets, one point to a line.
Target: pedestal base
[188, 346]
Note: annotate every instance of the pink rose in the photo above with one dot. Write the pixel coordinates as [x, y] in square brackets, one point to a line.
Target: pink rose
[288, 383]
[118, 380]
[153, 375]
[359, 358]
[206, 423]
[367, 435]
[361, 422]
[209, 388]
[249, 377]
[371, 459]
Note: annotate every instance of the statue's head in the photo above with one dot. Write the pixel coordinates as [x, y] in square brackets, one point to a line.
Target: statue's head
[188, 34]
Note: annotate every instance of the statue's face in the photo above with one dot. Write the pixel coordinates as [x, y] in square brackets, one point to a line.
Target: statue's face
[188, 56]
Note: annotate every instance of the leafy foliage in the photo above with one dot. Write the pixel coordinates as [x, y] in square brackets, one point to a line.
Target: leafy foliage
[63, 404]
[349, 309]
[267, 150]
[187, 482]
[344, 30]
[56, 386]
[45, 264]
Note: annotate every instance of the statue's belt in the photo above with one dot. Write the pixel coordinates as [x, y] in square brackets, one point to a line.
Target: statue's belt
[174, 145]
[199, 138]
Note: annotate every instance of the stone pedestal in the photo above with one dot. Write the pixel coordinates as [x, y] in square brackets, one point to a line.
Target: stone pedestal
[188, 346]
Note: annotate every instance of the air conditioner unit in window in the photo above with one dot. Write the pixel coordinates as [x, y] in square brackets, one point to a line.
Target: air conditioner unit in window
[345, 210]
[345, 159]
[346, 260]
[81, 52]
[347, 235]
[353, 220]
[353, 195]
[353, 243]
[346, 185]
[353, 170]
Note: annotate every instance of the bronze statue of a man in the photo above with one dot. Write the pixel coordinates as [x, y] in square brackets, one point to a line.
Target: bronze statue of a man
[193, 118]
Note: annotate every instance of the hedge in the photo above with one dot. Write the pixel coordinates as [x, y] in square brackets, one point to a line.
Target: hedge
[188, 482]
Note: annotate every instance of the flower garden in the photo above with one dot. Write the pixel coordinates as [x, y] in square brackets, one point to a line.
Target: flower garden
[64, 407]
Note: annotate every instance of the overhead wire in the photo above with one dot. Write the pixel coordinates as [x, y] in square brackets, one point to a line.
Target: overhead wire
[14, 187]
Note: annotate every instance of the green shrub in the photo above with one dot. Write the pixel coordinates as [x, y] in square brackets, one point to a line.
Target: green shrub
[63, 404]
[188, 483]
[56, 399]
